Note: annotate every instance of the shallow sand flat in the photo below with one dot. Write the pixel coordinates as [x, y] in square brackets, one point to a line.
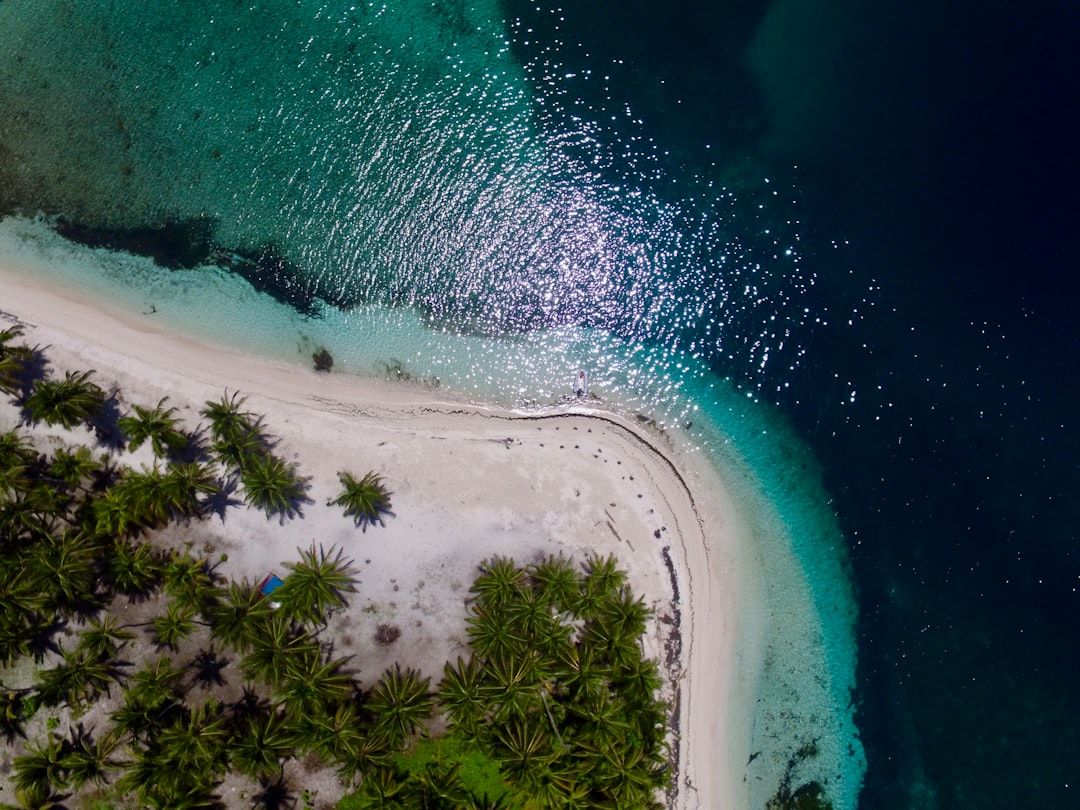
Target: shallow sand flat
[467, 482]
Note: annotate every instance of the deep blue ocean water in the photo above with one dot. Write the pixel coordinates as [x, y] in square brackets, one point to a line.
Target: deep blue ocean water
[861, 217]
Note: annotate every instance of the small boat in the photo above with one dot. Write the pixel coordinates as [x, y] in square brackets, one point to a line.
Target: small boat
[581, 383]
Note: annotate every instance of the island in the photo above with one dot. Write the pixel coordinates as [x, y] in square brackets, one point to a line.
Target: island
[391, 600]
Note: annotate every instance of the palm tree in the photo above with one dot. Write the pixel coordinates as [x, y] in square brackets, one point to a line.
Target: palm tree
[236, 612]
[161, 785]
[115, 514]
[190, 582]
[226, 419]
[174, 626]
[236, 433]
[602, 581]
[524, 746]
[150, 701]
[339, 739]
[8, 335]
[157, 682]
[272, 484]
[366, 500]
[500, 581]
[626, 613]
[159, 425]
[74, 466]
[186, 483]
[529, 614]
[274, 643]
[12, 361]
[462, 694]
[27, 625]
[17, 457]
[75, 681]
[44, 506]
[12, 712]
[103, 639]
[316, 585]
[87, 759]
[333, 735]
[490, 634]
[261, 743]
[626, 777]
[601, 717]
[381, 788]
[401, 703]
[515, 685]
[37, 799]
[40, 770]
[197, 743]
[65, 568]
[556, 582]
[614, 646]
[312, 685]
[68, 402]
[134, 570]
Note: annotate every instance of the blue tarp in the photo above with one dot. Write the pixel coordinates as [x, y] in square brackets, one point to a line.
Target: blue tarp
[270, 584]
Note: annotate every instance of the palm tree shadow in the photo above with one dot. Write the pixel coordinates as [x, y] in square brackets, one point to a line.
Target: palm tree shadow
[207, 668]
[363, 521]
[105, 422]
[197, 450]
[43, 639]
[296, 502]
[218, 503]
[33, 368]
[276, 794]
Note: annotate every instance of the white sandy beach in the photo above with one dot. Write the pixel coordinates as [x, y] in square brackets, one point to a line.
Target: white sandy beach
[467, 482]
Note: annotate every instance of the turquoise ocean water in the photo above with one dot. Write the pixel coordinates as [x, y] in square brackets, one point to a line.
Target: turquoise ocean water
[681, 198]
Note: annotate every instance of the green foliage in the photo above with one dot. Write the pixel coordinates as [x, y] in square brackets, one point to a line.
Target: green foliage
[236, 613]
[13, 712]
[274, 642]
[73, 467]
[103, 638]
[365, 500]
[272, 484]
[159, 425]
[402, 703]
[316, 585]
[76, 680]
[312, 687]
[440, 771]
[134, 570]
[68, 402]
[12, 360]
[228, 422]
[41, 769]
[262, 742]
[555, 705]
[189, 582]
[176, 625]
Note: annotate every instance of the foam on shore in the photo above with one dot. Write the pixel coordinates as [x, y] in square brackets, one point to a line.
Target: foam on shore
[791, 695]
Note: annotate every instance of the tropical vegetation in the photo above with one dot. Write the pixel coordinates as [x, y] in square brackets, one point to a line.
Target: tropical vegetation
[555, 705]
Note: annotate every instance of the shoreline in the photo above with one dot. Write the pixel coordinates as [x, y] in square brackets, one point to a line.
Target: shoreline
[687, 526]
